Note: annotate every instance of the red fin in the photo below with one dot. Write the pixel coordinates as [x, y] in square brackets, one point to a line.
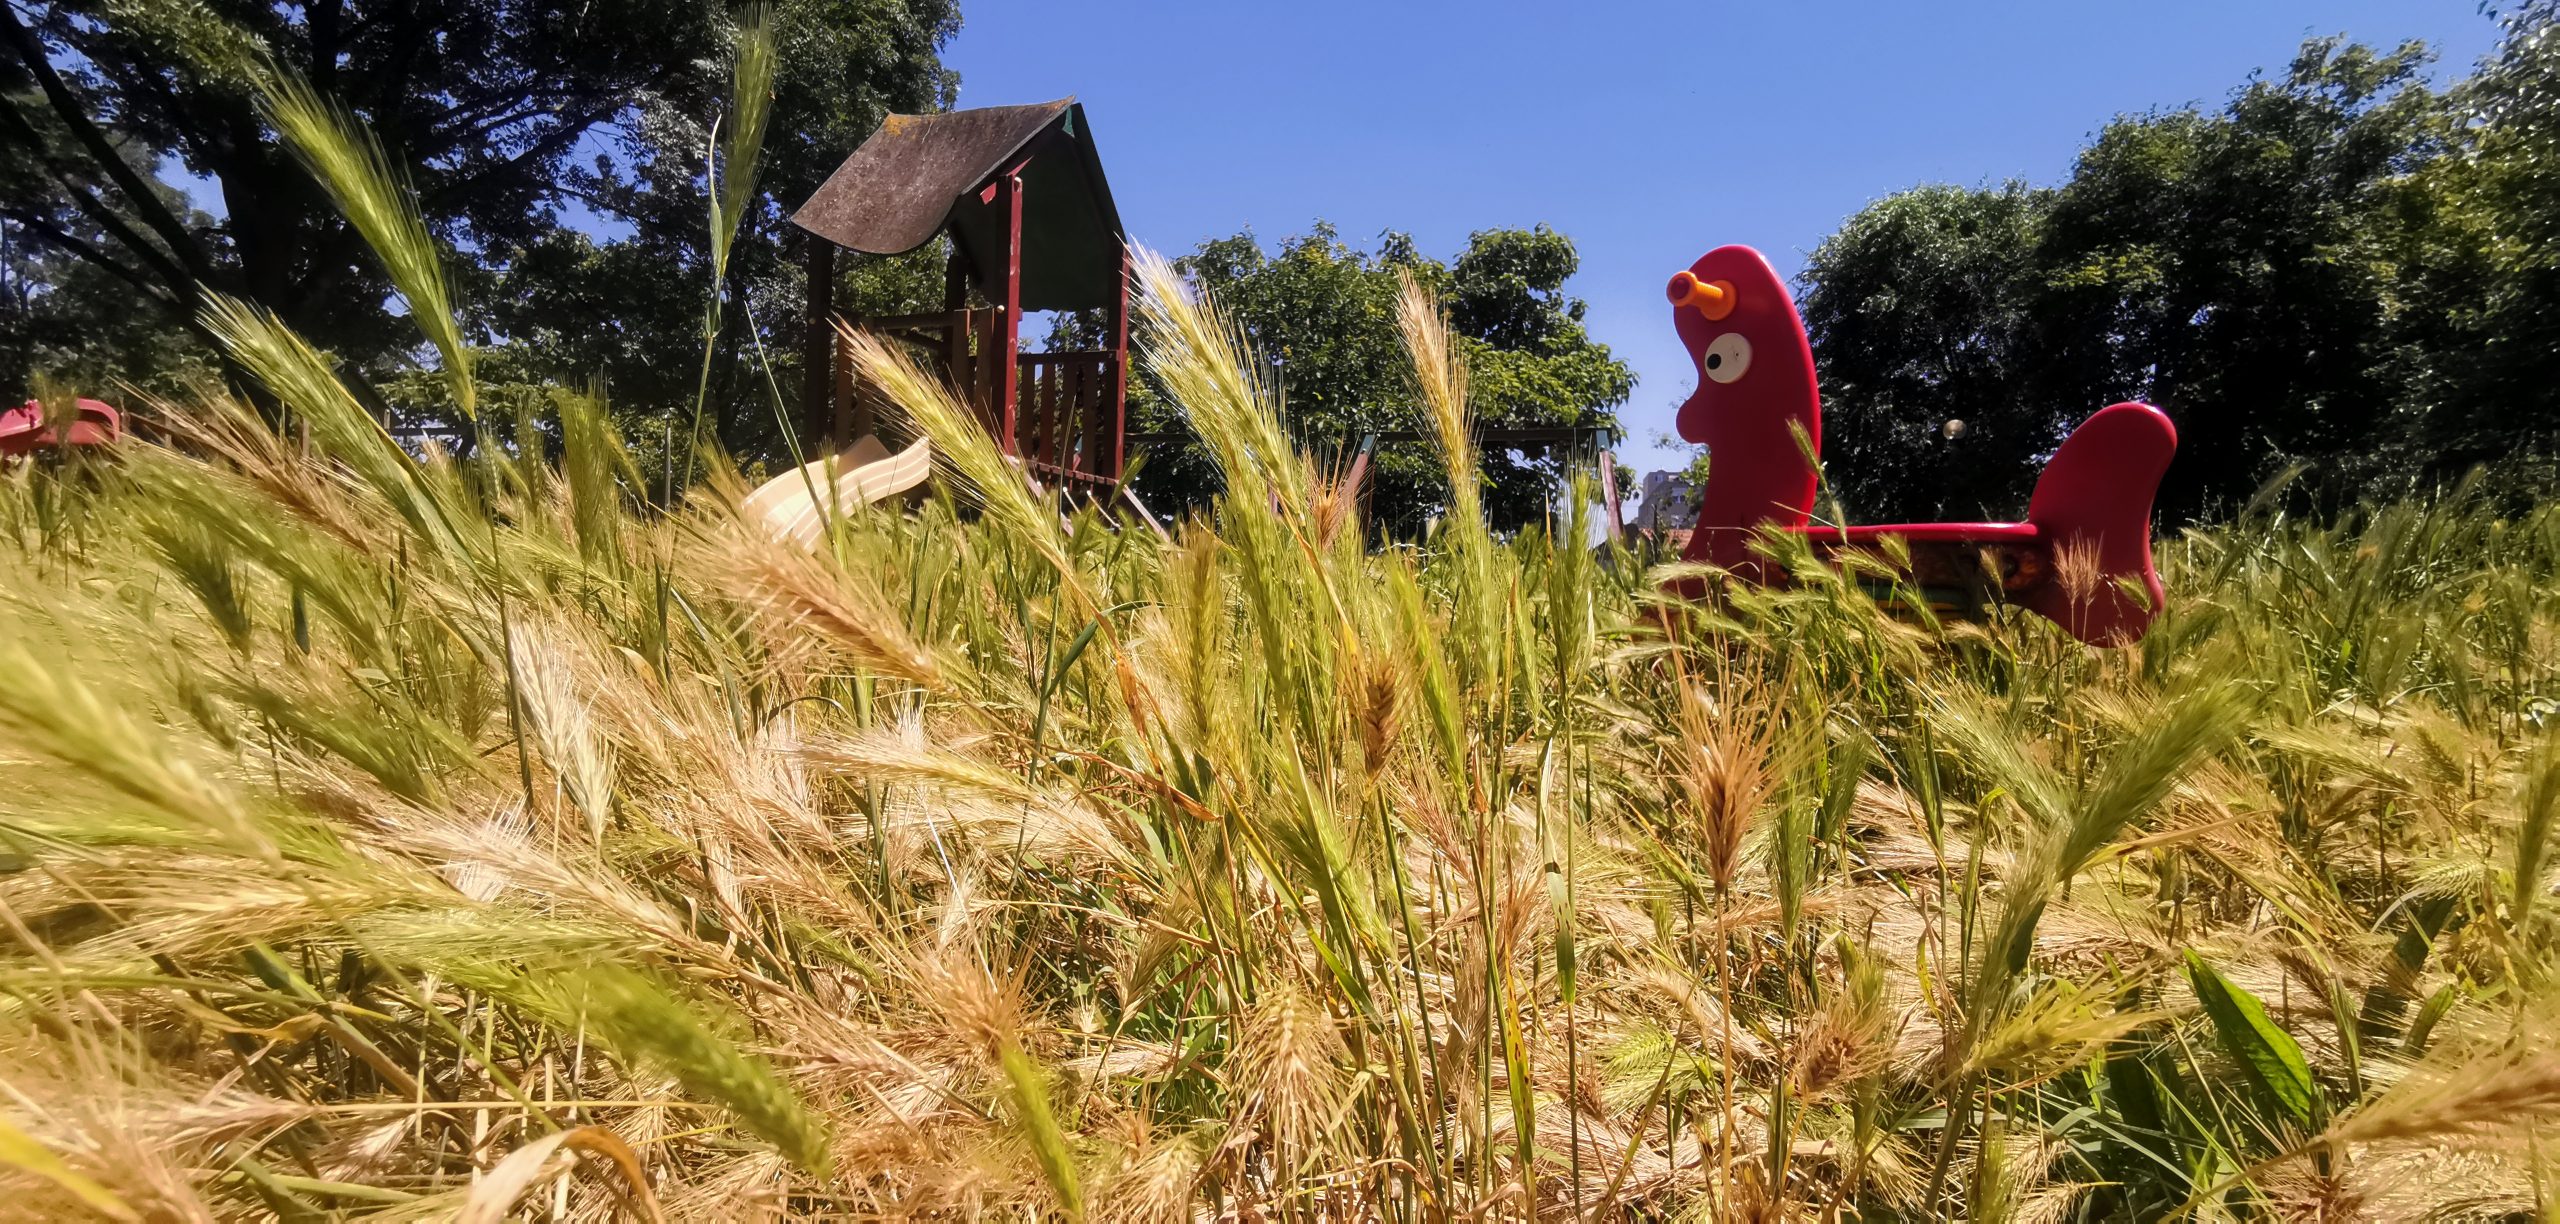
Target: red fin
[2096, 494]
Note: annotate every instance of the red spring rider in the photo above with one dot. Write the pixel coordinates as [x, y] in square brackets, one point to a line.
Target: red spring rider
[2087, 537]
[24, 429]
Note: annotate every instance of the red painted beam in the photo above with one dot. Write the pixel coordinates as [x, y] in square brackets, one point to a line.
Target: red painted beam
[1009, 375]
[1120, 370]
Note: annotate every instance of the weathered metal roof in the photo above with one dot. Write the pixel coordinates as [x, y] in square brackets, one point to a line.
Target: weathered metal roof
[919, 173]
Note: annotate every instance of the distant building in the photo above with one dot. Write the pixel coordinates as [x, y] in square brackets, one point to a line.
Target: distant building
[1668, 511]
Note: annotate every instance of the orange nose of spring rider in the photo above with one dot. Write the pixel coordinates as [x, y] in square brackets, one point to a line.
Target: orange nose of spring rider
[1713, 299]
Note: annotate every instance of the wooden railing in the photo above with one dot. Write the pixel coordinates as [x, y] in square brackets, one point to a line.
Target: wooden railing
[1067, 425]
[1066, 421]
[962, 345]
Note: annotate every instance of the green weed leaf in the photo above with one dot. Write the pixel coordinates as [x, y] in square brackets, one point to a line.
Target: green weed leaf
[2270, 1057]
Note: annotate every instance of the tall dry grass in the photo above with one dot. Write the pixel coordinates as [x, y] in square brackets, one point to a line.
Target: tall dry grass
[389, 835]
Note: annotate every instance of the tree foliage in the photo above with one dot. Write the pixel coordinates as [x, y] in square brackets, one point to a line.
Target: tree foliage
[560, 148]
[2338, 268]
[1322, 313]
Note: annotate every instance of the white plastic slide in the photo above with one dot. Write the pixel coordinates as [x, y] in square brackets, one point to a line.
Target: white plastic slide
[861, 474]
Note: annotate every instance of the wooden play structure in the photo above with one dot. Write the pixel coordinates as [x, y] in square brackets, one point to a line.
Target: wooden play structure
[1021, 193]
[2082, 558]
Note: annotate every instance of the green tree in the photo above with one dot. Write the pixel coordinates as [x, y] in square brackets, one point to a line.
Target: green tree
[75, 322]
[2335, 267]
[1923, 313]
[575, 309]
[520, 122]
[2239, 270]
[2484, 263]
[1322, 313]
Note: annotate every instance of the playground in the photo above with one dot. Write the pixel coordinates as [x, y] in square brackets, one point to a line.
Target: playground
[1018, 196]
[427, 796]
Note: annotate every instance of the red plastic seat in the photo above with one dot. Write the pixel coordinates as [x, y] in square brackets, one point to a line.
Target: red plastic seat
[23, 429]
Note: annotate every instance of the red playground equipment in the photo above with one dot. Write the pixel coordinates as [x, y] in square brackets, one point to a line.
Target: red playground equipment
[2082, 559]
[24, 430]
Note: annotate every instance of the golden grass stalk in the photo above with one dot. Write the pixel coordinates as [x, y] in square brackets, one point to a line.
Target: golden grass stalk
[301, 378]
[2538, 798]
[18, 1150]
[1440, 383]
[591, 454]
[2504, 1093]
[987, 1014]
[494, 1198]
[651, 1027]
[379, 202]
[731, 170]
[797, 593]
[1725, 769]
[733, 173]
[965, 447]
[562, 725]
[1206, 368]
[1290, 1064]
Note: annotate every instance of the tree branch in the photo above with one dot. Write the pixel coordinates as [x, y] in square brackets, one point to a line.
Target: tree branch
[51, 235]
[176, 282]
[67, 106]
[478, 129]
[567, 134]
[322, 18]
[134, 74]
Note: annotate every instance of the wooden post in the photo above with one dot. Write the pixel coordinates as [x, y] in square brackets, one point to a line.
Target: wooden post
[858, 414]
[1120, 371]
[955, 278]
[848, 391]
[1094, 383]
[1609, 494]
[1032, 416]
[1009, 376]
[990, 351]
[817, 348]
[958, 363]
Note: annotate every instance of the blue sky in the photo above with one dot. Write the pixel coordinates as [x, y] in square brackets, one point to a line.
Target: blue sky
[1647, 132]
